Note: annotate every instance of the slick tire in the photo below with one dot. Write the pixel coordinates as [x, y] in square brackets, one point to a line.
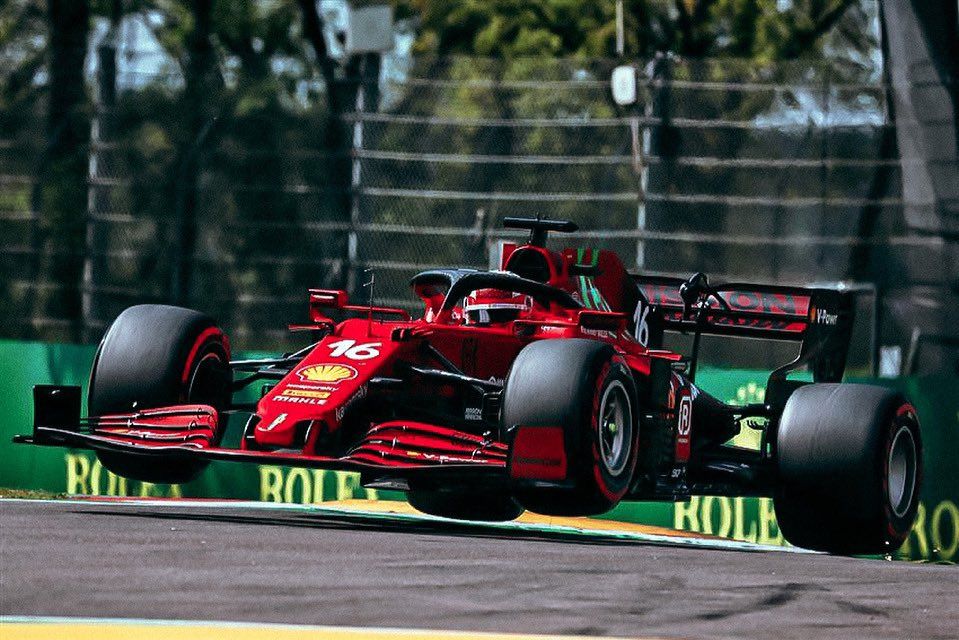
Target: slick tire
[850, 467]
[156, 356]
[487, 506]
[583, 387]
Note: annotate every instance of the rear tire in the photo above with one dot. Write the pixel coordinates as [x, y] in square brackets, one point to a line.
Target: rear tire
[155, 356]
[584, 387]
[850, 467]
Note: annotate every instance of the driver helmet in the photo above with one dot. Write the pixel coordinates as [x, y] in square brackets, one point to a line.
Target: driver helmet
[490, 306]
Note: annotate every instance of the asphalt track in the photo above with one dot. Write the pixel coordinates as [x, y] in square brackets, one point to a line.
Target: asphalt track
[349, 569]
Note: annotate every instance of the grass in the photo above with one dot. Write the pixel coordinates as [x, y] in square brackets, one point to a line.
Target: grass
[31, 494]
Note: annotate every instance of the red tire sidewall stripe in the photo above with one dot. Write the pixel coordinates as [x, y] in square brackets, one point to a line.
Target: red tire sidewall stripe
[206, 335]
[598, 475]
[898, 527]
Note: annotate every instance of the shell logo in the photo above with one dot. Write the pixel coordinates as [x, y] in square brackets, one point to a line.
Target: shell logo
[327, 373]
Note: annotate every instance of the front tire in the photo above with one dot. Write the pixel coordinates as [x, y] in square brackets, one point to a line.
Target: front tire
[465, 504]
[850, 467]
[585, 388]
[156, 356]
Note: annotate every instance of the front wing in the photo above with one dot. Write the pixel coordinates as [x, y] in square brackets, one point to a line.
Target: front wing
[405, 449]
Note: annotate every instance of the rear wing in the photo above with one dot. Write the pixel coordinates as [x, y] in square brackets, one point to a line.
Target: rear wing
[820, 319]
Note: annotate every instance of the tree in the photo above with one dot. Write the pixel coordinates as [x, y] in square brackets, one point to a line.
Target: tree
[63, 176]
[22, 58]
[736, 28]
[262, 69]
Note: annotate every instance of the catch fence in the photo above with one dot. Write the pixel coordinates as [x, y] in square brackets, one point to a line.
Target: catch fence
[783, 173]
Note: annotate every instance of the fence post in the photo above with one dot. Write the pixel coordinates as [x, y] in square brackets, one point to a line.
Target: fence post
[186, 217]
[659, 74]
[367, 97]
[101, 131]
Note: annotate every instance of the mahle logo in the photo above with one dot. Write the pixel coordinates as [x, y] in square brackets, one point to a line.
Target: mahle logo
[327, 373]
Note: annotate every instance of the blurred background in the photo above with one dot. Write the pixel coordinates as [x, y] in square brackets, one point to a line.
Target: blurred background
[228, 154]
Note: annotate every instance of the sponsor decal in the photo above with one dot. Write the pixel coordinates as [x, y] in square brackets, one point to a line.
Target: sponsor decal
[749, 323]
[822, 316]
[332, 373]
[599, 333]
[792, 307]
[684, 425]
[306, 393]
[473, 413]
[276, 422]
[548, 328]
[748, 519]
[315, 386]
[308, 486]
[539, 453]
[283, 398]
[359, 394]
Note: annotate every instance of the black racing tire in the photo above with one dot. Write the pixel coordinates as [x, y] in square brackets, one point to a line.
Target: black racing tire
[465, 504]
[850, 468]
[584, 387]
[155, 356]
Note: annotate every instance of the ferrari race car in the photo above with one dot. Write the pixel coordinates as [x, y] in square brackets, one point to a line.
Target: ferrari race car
[541, 386]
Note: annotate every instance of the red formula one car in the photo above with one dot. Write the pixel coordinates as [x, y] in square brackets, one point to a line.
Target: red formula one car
[542, 386]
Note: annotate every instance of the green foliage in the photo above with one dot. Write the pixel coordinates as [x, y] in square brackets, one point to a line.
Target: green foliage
[728, 28]
[258, 175]
[262, 184]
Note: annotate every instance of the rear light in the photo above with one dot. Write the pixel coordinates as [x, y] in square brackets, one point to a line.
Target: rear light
[538, 453]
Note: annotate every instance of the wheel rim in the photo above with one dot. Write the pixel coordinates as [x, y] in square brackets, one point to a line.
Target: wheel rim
[615, 428]
[902, 464]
